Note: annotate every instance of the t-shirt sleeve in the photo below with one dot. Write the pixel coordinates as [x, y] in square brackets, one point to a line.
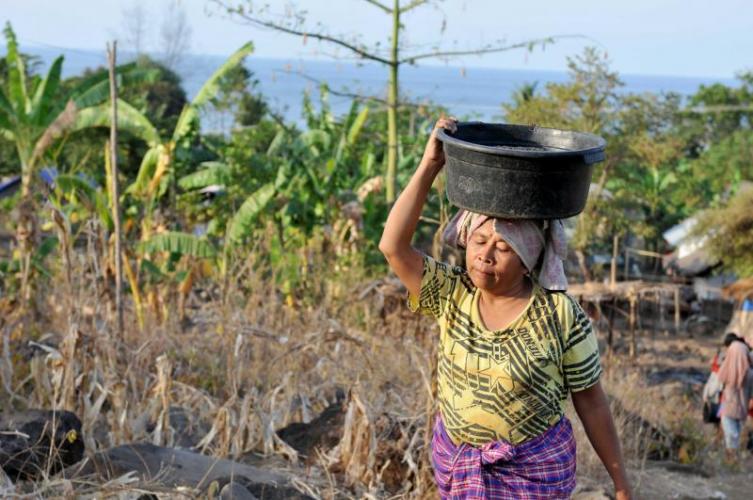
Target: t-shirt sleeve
[437, 286]
[581, 364]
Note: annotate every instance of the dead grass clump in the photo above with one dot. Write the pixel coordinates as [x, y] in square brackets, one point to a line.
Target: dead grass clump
[244, 364]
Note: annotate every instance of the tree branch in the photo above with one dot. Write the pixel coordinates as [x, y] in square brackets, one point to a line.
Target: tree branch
[412, 5]
[351, 95]
[304, 34]
[486, 50]
[379, 5]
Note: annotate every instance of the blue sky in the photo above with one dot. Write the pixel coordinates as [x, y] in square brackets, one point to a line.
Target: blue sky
[661, 37]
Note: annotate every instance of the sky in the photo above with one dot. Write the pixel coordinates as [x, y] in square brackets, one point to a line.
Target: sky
[655, 37]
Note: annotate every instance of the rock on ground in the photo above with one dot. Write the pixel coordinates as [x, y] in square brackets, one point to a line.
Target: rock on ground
[26, 438]
[173, 468]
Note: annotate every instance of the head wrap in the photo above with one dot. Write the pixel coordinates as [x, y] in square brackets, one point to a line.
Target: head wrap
[528, 238]
[735, 366]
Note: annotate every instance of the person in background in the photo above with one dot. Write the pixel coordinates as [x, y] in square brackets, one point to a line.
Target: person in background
[737, 376]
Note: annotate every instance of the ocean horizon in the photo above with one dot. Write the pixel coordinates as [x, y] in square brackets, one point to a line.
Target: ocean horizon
[466, 91]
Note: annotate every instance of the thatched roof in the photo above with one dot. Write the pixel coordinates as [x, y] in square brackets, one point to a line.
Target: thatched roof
[740, 289]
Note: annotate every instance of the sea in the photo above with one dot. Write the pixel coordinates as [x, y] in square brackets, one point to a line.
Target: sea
[467, 92]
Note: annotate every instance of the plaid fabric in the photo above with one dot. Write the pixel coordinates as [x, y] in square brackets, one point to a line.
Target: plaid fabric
[540, 468]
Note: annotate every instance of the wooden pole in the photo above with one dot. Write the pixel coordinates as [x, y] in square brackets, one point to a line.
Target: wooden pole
[677, 310]
[633, 346]
[615, 250]
[111, 59]
[610, 334]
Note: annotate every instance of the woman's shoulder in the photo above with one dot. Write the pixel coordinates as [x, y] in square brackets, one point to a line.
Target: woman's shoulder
[565, 308]
[561, 300]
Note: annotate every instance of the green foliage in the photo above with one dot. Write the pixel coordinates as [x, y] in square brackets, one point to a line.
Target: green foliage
[211, 173]
[36, 112]
[237, 95]
[730, 233]
[129, 120]
[717, 111]
[306, 197]
[189, 117]
[81, 197]
[179, 243]
[665, 159]
[241, 224]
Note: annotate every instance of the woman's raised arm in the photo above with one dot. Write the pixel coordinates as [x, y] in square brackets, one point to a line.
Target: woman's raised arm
[406, 261]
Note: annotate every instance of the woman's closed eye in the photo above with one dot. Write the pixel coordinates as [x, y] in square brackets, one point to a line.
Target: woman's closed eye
[503, 246]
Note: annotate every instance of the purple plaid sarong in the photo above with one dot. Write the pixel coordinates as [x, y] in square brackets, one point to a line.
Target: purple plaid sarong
[541, 468]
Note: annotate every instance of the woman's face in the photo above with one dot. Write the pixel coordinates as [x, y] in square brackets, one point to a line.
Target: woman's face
[492, 264]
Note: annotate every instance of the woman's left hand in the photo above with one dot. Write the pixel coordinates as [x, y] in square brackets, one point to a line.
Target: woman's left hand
[623, 495]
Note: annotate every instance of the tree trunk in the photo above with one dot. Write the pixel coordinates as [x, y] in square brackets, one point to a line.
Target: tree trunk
[26, 225]
[392, 94]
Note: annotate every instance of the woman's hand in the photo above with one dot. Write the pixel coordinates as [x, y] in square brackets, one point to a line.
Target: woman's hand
[433, 153]
[623, 495]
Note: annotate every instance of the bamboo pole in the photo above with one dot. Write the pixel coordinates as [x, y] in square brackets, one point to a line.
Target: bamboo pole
[111, 59]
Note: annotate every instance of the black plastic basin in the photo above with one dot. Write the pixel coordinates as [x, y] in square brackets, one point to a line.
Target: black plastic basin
[518, 171]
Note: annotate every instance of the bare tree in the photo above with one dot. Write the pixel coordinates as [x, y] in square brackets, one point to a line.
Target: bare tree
[293, 22]
[135, 28]
[175, 34]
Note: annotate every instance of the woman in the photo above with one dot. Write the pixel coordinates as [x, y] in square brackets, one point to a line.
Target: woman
[512, 347]
[737, 377]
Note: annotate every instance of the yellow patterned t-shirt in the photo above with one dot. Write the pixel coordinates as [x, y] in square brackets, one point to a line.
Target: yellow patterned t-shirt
[508, 384]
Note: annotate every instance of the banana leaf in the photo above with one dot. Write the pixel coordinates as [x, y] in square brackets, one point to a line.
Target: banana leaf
[179, 243]
[41, 103]
[16, 74]
[77, 190]
[240, 224]
[96, 91]
[189, 117]
[146, 171]
[213, 173]
[129, 119]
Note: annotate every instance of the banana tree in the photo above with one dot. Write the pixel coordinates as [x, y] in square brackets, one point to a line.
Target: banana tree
[155, 173]
[157, 165]
[311, 172]
[170, 265]
[34, 113]
[300, 183]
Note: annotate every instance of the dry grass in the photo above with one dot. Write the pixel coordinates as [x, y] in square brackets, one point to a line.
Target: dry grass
[249, 365]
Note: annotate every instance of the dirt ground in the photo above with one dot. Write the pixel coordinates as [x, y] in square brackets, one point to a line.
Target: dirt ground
[664, 384]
